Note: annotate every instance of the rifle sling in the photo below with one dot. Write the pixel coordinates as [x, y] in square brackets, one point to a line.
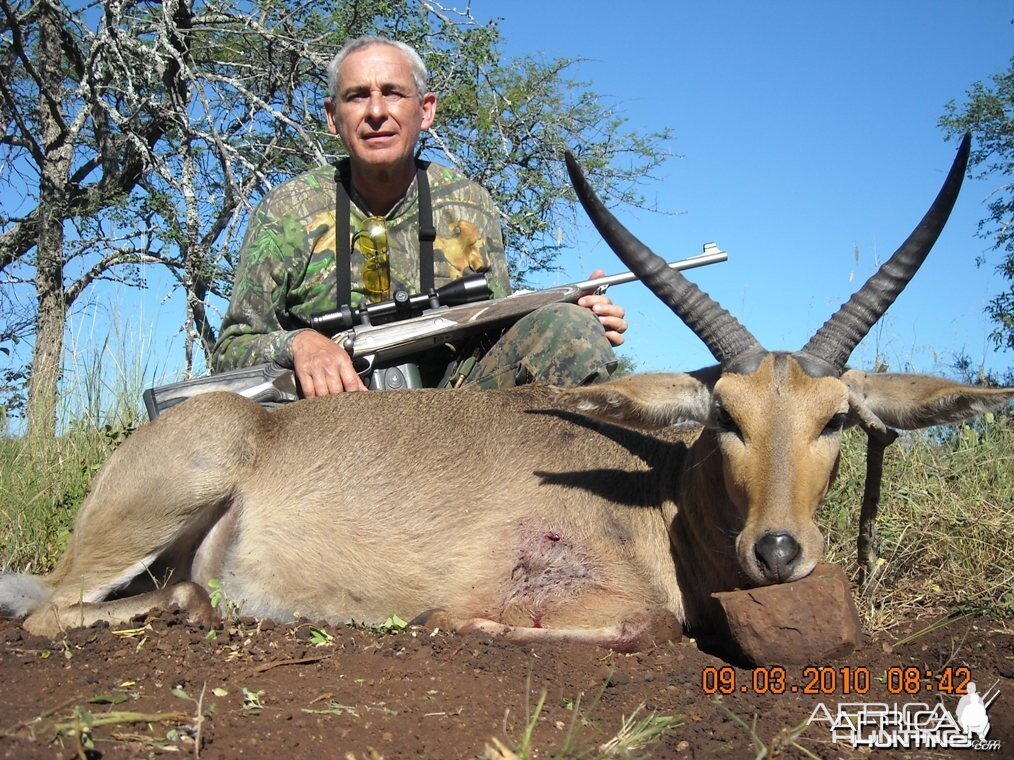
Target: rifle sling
[427, 232]
[343, 239]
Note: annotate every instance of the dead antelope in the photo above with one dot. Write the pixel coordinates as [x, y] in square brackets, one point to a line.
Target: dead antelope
[536, 513]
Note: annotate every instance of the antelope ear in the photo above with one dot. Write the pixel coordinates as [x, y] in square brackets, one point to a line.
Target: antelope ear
[909, 401]
[647, 401]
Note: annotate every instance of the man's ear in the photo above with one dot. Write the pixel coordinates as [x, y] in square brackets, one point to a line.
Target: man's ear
[429, 109]
[329, 114]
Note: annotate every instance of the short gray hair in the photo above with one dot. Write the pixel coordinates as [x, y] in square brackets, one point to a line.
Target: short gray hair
[415, 62]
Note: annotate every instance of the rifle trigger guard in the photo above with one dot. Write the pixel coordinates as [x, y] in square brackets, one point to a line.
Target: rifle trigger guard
[363, 365]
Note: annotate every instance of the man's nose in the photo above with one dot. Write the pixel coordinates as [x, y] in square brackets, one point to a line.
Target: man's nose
[378, 106]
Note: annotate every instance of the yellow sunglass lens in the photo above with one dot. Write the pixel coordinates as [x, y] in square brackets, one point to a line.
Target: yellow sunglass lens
[372, 241]
[373, 237]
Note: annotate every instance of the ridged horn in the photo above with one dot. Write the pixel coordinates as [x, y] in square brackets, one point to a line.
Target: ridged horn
[838, 337]
[721, 332]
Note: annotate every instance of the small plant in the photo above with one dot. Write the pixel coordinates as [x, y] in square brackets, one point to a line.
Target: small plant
[636, 734]
[81, 727]
[200, 715]
[393, 624]
[229, 609]
[252, 704]
[786, 739]
[320, 638]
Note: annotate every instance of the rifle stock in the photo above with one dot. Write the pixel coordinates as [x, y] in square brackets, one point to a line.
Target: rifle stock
[372, 346]
[264, 383]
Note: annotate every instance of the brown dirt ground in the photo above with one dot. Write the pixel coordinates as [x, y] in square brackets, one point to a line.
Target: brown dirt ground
[420, 693]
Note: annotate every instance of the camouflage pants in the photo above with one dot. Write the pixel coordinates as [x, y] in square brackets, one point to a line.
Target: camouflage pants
[559, 344]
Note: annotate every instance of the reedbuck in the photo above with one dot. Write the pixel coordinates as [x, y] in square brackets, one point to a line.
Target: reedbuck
[536, 513]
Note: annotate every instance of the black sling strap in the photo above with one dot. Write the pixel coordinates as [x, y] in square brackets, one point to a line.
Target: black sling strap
[343, 237]
[427, 232]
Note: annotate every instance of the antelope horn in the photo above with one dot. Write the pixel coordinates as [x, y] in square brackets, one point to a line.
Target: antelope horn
[838, 337]
[721, 332]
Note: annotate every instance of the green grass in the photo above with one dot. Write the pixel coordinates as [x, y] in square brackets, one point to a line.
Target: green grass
[635, 736]
[108, 363]
[43, 487]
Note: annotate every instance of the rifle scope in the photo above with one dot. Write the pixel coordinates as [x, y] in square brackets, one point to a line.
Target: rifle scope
[469, 289]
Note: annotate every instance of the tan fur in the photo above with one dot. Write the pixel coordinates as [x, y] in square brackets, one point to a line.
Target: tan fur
[358, 506]
[911, 401]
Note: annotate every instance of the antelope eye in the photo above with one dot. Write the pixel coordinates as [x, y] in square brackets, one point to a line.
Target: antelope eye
[725, 421]
[835, 424]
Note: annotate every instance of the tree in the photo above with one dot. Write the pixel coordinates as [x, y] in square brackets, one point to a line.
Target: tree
[145, 132]
[988, 113]
[79, 127]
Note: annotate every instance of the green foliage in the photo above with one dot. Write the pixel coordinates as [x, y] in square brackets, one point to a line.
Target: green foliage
[45, 482]
[988, 113]
[320, 637]
[393, 624]
[252, 704]
[184, 116]
[625, 365]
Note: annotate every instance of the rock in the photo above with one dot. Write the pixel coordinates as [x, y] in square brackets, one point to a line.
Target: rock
[617, 678]
[810, 621]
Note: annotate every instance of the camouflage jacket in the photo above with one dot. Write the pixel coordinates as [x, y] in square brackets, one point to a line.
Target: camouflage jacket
[287, 263]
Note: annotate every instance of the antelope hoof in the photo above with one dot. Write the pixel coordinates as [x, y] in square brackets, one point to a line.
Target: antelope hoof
[194, 600]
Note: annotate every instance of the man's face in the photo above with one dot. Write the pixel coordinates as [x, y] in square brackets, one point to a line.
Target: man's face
[379, 113]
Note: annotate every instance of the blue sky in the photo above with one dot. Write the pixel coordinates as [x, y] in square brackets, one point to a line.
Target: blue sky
[804, 132]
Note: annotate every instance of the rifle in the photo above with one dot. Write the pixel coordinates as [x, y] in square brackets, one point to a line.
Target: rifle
[377, 335]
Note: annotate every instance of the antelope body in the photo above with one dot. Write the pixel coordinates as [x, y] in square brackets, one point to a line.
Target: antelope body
[606, 514]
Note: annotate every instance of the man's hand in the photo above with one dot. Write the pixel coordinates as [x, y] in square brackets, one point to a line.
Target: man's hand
[609, 313]
[322, 366]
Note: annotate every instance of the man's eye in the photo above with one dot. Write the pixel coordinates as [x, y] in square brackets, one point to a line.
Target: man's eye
[393, 97]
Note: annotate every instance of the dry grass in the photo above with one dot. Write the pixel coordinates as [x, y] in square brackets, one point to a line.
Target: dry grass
[945, 537]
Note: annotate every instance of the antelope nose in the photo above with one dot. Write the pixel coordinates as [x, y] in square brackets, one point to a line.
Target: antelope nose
[776, 553]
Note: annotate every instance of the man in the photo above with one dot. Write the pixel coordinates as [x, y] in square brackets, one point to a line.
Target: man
[379, 105]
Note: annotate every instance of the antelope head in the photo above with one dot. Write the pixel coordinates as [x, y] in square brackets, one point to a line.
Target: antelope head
[776, 417]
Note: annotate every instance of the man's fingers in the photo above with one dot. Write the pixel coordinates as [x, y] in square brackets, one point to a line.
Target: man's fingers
[347, 376]
[323, 367]
[608, 310]
[614, 324]
[306, 385]
[610, 315]
[327, 375]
